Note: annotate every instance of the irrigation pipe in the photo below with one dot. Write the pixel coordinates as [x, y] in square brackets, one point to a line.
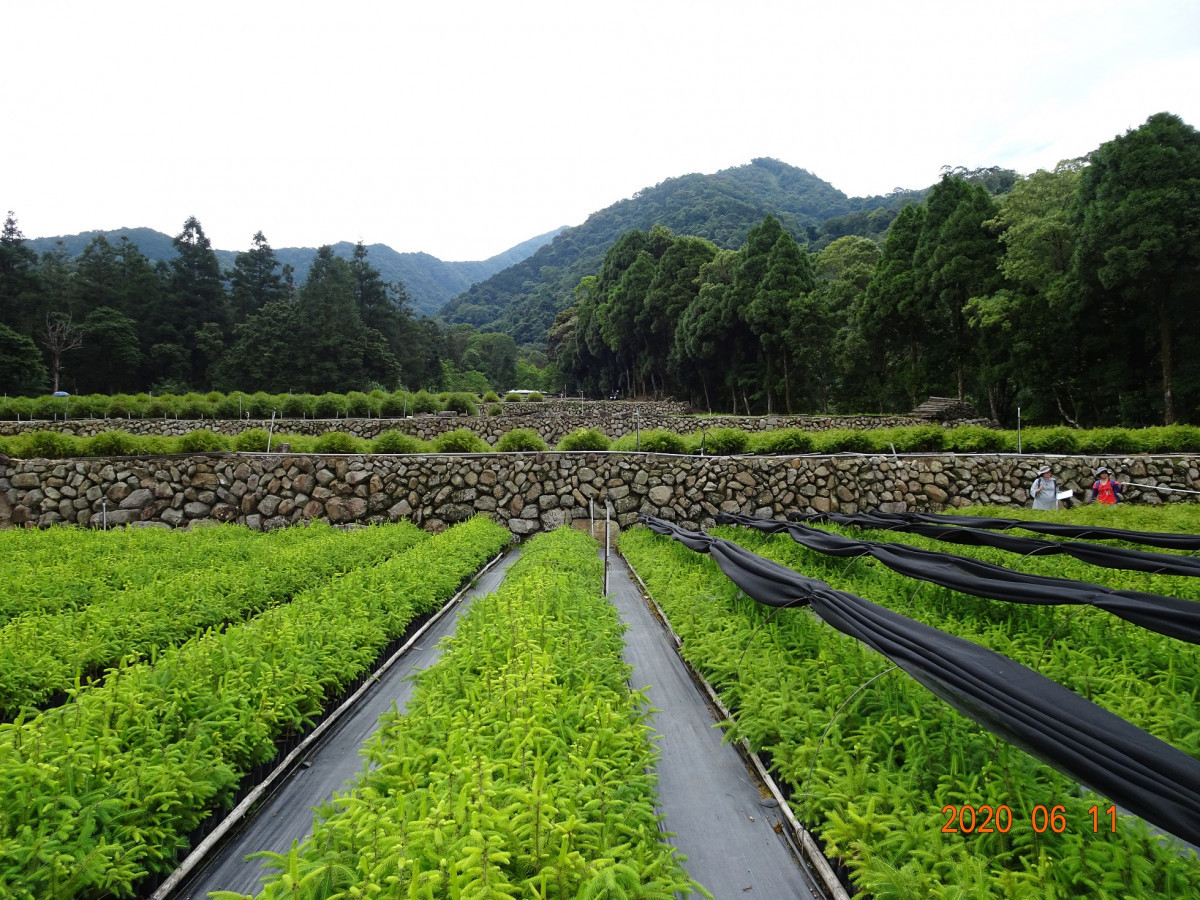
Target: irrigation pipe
[196, 857]
[801, 838]
[1157, 487]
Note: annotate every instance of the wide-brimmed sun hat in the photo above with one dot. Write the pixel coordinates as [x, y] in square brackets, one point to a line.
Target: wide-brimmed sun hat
[1103, 469]
[1043, 470]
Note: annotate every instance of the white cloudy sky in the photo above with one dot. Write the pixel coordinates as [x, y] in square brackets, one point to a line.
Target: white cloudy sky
[463, 128]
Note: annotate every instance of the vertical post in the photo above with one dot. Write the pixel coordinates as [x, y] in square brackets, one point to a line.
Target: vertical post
[104, 514]
[1018, 429]
[607, 511]
[638, 426]
[271, 433]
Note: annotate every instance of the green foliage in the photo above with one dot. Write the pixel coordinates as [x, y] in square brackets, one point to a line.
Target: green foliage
[460, 440]
[872, 763]
[47, 407]
[253, 440]
[535, 397]
[783, 441]
[194, 719]
[495, 409]
[392, 441]
[843, 440]
[300, 443]
[722, 441]
[541, 783]
[226, 407]
[395, 404]
[21, 368]
[584, 439]
[359, 405]
[490, 397]
[295, 406]
[424, 402]
[977, 439]
[338, 442]
[202, 440]
[1169, 439]
[912, 439]
[1050, 440]
[111, 443]
[12, 408]
[1109, 440]
[520, 439]
[462, 403]
[46, 445]
[329, 406]
[654, 441]
[513, 397]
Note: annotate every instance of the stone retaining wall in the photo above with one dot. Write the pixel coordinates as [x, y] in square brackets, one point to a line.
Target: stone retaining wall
[531, 492]
[550, 424]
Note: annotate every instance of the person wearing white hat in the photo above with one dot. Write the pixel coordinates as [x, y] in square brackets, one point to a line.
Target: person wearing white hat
[1106, 489]
[1044, 490]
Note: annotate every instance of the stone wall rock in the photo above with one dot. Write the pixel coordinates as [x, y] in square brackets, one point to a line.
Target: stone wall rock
[531, 492]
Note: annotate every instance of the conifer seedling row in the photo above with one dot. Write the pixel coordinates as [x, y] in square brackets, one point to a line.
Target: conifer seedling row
[99, 792]
[884, 773]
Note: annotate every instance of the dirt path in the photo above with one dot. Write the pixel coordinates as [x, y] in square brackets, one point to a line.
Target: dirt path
[711, 800]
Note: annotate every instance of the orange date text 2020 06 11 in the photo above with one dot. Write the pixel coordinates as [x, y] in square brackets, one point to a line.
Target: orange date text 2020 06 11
[984, 819]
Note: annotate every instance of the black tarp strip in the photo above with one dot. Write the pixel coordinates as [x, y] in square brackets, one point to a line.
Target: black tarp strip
[1094, 554]
[1084, 741]
[1172, 616]
[1168, 540]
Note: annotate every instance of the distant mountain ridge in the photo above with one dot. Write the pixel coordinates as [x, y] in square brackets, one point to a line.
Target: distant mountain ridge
[524, 299]
[430, 282]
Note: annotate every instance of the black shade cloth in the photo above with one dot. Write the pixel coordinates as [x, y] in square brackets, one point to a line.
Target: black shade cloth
[1084, 741]
[1171, 616]
[1168, 540]
[1095, 554]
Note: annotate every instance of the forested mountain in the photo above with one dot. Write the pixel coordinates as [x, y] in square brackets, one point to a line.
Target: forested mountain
[1068, 294]
[430, 282]
[111, 320]
[722, 208]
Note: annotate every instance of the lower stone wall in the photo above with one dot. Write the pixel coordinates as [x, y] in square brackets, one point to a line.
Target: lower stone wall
[531, 492]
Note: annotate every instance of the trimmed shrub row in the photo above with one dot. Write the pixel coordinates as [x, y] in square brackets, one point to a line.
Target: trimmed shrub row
[711, 442]
[214, 405]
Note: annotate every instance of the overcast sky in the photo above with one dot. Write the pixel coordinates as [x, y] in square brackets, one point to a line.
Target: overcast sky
[463, 128]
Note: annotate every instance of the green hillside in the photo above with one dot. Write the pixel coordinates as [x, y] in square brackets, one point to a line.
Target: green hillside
[523, 299]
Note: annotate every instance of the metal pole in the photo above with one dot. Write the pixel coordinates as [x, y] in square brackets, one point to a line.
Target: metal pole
[607, 511]
[104, 514]
[271, 433]
[638, 425]
[1018, 429]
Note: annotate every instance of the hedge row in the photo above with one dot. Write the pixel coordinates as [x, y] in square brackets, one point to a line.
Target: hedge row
[214, 405]
[712, 442]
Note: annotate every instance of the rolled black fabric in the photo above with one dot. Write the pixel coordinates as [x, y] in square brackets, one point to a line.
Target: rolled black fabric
[1084, 741]
[1095, 554]
[1172, 616]
[1168, 540]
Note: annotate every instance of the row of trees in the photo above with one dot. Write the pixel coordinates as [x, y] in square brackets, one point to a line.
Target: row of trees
[110, 321]
[1069, 296]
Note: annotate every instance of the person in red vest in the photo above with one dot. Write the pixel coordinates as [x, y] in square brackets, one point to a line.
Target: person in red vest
[1105, 489]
